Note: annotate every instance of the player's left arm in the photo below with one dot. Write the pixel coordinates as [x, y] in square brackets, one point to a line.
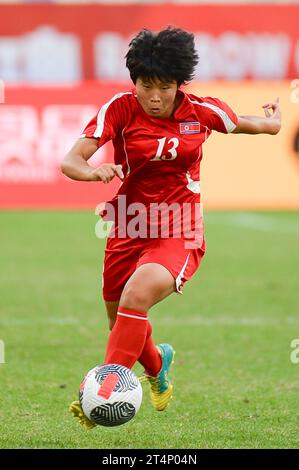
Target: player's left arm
[270, 124]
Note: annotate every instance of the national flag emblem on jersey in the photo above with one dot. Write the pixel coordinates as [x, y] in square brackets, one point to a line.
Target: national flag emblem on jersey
[189, 127]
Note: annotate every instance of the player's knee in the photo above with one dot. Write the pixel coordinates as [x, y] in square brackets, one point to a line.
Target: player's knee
[135, 297]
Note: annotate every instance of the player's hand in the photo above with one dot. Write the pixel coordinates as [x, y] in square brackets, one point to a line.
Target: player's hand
[275, 107]
[272, 111]
[106, 172]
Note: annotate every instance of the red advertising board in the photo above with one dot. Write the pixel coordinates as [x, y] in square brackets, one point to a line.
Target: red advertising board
[38, 125]
[63, 43]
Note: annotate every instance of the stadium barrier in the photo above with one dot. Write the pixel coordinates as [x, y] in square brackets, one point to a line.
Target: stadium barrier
[39, 124]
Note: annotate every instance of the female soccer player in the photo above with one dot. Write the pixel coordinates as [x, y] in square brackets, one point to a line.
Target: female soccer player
[157, 132]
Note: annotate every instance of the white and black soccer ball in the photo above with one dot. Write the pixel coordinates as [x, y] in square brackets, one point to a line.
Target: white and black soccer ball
[110, 395]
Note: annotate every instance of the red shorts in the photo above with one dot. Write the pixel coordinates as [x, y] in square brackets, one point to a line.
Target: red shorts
[124, 256]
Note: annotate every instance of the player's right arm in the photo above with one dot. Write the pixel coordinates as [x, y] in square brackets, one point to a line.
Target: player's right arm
[104, 126]
[75, 165]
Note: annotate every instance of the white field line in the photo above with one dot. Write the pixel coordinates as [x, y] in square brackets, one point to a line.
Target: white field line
[162, 319]
[260, 222]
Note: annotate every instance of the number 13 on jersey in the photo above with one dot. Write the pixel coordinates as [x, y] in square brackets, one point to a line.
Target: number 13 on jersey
[171, 146]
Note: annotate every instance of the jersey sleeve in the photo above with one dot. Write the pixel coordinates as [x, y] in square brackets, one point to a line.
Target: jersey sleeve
[220, 117]
[108, 122]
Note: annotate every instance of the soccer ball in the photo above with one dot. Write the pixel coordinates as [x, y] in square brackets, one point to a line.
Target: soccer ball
[110, 395]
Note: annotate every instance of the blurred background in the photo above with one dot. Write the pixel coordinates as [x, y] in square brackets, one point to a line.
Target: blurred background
[60, 61]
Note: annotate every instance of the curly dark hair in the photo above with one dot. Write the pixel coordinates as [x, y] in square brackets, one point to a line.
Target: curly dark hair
[169, 55]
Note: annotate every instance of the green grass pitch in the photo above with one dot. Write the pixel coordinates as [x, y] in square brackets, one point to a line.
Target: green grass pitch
[235, 385]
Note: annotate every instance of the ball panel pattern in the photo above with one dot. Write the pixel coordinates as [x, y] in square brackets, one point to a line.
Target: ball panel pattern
[112, 414]
[127, 380]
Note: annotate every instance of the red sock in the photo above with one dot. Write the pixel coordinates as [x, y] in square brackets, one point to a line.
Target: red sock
[126, 340]
[150, 357]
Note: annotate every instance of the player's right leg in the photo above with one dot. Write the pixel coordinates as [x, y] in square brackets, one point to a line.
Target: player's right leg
[131, 338]
[147, 285]
[153, 372]
[159, 398]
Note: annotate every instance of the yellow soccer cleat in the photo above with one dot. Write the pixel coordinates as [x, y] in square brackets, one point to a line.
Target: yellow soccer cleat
[161, 388]
[76, 410]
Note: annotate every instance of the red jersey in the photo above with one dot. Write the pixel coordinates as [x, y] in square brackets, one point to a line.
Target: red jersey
[160, 157]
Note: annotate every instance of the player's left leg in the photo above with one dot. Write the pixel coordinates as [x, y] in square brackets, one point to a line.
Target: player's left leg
[111, 310]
